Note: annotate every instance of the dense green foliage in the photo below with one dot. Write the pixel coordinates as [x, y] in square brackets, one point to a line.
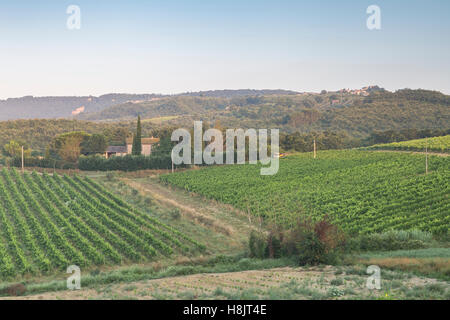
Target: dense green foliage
[309, 242]
[324, 141]
[361, 191]
[51, 222]
[125, 163]
[438, 144]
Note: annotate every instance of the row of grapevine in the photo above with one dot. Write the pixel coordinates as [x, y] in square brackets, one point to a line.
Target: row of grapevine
[140, 216]
[126, 214]
[55, 235]
[23, 231]
[48, 222]
[123, 220]
[76, 221]
[55, 256]
[63, 190]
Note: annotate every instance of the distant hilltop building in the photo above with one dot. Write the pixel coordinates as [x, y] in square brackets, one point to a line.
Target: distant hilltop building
[365, 91]
[147, 144]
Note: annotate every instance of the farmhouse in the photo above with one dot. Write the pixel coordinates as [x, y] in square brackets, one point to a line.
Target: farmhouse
[147, 144]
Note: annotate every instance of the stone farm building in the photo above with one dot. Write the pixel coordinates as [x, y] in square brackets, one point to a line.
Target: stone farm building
[147, 144]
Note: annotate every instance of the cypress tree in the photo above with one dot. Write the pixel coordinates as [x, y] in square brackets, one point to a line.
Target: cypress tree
[137, 139]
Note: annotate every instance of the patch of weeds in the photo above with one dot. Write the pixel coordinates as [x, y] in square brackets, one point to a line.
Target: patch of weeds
[349, 291]
[396, 284]
[95, 272]
[304, 291]
[148, 201]
[359, 271]
[187, 295]
[336, 292]
[338, 272]
[248, 294]
[337, 282]
[130, 287]
[435, 288]
[219, 292]
[175, 214]
[317, 295]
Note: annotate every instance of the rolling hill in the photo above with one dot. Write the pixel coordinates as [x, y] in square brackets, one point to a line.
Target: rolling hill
[30, 107]
[356, 115]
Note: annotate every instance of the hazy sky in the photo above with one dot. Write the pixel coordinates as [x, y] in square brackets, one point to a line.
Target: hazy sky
[176, 46]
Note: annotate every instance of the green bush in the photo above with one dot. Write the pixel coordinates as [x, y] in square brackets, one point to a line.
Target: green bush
[257, 244]
[311, 250]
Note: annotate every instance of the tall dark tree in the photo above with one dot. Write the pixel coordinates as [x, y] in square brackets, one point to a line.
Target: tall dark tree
[137, 139]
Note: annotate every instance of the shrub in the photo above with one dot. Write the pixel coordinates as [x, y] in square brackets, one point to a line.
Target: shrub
[315, 243]
[257, 244]
[311, 243]
[310, 249]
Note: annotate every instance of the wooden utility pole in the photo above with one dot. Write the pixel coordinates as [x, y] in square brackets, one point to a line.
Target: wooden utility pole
[314, 148]
[22, 159]
[426, 157]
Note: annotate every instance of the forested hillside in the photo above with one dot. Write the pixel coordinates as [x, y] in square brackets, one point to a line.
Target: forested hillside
[355, 115]
[345, 115]
[30, 107]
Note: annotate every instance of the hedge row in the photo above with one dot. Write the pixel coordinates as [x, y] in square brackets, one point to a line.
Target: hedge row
[125, 163]
[41, 162]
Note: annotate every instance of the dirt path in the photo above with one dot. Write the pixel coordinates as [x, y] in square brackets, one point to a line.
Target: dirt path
[220, 218]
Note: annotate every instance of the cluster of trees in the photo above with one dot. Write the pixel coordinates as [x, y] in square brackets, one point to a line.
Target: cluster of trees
[69, 146]
[62, 152]
[324, 141]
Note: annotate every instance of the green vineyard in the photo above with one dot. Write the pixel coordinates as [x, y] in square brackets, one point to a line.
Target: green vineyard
[48, 222]
[436, 144]
[361, 191]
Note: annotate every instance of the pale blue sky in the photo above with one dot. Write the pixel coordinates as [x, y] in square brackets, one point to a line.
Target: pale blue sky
[175, 46]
